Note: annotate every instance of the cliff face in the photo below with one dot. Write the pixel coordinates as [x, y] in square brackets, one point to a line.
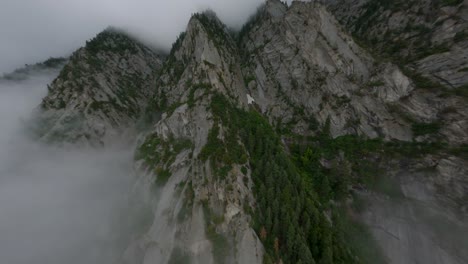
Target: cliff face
[427, 40]
[249, 132]
[198, 212]
[431, 36]
[101, 90]
[305, 71]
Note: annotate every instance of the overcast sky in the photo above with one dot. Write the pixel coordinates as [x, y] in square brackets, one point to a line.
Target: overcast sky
[33, 30]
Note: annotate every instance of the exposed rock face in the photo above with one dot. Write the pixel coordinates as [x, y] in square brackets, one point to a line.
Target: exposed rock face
[426, 38]
[101, 91]
[303, 69]
[198, 214]
[430, 35]
[412, 225]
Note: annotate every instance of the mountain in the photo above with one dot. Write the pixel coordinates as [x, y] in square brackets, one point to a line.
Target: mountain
[303, 138]
[428, 37]
[42, 67]
[101, 90]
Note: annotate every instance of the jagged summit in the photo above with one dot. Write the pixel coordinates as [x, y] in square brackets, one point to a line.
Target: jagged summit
[102, 88]
[275, 8]
[114, 39]
[205, 55]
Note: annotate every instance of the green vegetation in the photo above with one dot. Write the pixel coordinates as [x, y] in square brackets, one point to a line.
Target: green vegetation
[358, 237]
[375, 83]
[248, 79]
[219, 242]
[352, 159]
[178, 256]
[421, 81]
[421, 129]
[409, 42]
[113, 41]
[173, 67]
[423, 53]
[157, 154]
[189, 196]
[154, 150]
[332, 182]
[450, 2]
[22, 73]
[193, 89]
[299, 182]
[288, 218]
[460, 36]
[461, 91]
[252, 21]
[227, 151]
[162, 176]
[460, 151]
[53, 62]
[214, 28]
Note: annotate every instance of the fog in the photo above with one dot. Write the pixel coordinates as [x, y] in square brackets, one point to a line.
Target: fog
[56, 206]
[33, 30]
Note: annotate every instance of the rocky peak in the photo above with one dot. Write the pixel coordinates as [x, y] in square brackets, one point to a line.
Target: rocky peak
[187, 156]
[103, 88]
[275, 9]
[205, 56]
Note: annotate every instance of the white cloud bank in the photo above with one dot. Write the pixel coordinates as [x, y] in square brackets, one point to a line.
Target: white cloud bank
[56, 206]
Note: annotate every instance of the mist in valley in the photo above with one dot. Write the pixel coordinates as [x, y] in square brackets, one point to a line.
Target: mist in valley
[70, 205]
[56, 205]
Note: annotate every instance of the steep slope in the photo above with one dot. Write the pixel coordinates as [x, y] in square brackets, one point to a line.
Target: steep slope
[310, 77]
[427, 39]
[304, 71]
[431, 36]
[200, 197]
[226, 189]
[307, 75]
[101, 91]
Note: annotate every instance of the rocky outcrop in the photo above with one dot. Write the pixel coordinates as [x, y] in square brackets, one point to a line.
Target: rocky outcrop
[100, 93]
[427, 39]
[430, 36]
[305, 72]
[199, 212]
[412, 223]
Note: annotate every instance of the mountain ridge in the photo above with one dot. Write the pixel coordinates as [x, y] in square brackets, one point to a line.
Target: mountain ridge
[256, 146]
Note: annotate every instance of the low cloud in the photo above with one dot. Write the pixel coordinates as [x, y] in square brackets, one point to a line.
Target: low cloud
[56, 206]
